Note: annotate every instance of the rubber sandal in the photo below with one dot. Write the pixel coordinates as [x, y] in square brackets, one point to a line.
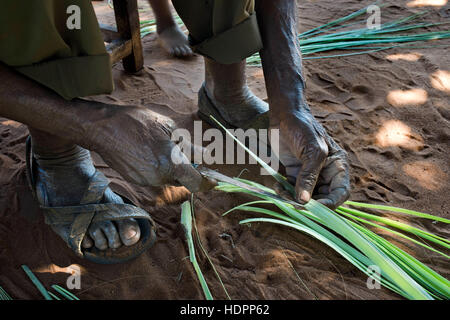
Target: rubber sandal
[206, 108]
[90, 211]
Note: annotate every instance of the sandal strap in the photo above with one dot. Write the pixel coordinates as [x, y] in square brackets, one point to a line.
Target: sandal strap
[29, 160]
[82, 216]
[96, 187]
[104, 211]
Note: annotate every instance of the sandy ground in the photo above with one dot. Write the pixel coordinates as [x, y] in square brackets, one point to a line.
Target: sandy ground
[390, 110]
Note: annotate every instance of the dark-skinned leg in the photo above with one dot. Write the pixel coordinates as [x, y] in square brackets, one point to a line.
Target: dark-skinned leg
[64, 172]
[132, 140]
[280, 56]
[311, 157]
[170, 36]
[25, 101]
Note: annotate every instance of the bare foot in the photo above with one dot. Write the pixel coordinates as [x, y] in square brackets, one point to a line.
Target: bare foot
[174, 41]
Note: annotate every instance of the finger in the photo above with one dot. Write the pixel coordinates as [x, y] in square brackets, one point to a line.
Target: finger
[332, 168]
[87, 242]
[188, 149]
[323, 189]
[292, 173]
[341, 179]
[185, 174]
[319, 196]
[129, 231]
[182, 52]
[335, 198]
[112, 236]
[312, 161]
[279, 189]
[99, 238]
[189, 177]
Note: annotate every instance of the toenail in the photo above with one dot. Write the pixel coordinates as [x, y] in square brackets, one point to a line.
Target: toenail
[131, 233]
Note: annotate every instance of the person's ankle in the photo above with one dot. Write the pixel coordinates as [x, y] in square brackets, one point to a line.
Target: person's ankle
[226, 84]
[46, 145]
[165, 24]
[230, 95]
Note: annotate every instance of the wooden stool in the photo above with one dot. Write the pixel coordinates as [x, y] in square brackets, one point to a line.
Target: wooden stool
[124, 41]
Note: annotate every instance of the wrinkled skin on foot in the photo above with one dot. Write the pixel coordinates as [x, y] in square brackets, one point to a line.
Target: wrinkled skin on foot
[133, 141]
[170, 36]
[174, 41]
[110, 234]
[62, 179]
[150, 158]
[65, 186]
[226, 87]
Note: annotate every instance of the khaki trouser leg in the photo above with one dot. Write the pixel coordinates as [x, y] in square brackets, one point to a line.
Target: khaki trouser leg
[36, 41]
[223, 30]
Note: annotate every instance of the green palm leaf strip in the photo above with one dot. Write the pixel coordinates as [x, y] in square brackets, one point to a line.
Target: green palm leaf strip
[186, 222]
[435, 285]
[4, 295]
[36, 282]
[204, 250]
[65, 293]
[338, 210]
[400, 225]
[395, 209]
[54, 296]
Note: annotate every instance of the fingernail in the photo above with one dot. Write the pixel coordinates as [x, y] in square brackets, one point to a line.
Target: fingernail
[305, 196]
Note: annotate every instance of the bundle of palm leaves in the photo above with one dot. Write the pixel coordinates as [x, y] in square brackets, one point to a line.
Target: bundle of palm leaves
[329, 37]
[344, 231]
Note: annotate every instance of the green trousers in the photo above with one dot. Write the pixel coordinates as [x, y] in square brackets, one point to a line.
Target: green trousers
[223, 30]
[36, 40]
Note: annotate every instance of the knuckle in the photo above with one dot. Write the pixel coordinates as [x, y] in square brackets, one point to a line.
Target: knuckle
[344, 156]
[316, 151]
[346, 196]
[166, 171]
[321, 151]
[308, 178]
[346, 188]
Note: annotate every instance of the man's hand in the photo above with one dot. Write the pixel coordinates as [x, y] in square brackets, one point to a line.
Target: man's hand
[133, 140]
[314, 162]
[136, 143]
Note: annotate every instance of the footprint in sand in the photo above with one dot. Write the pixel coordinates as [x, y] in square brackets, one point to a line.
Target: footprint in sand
[363, 98]
[343, 96]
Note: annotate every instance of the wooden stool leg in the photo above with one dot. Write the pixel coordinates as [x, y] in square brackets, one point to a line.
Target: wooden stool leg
[127, 20]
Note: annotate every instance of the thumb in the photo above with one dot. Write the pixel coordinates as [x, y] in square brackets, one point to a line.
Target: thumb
[185, 174]
[188, 176]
